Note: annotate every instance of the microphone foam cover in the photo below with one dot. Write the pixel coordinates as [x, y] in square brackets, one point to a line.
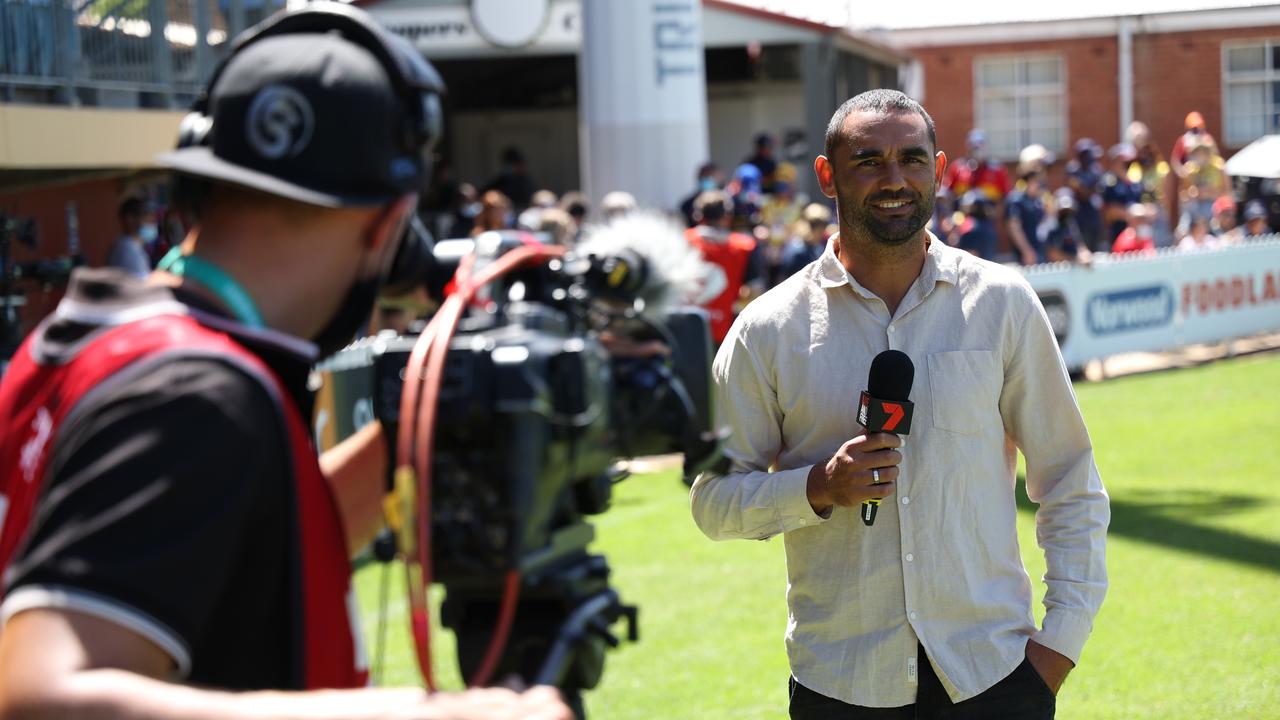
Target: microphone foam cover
[891, 376]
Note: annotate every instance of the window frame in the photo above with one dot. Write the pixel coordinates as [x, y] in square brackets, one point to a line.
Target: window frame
[1020, 91]
[1266, 76]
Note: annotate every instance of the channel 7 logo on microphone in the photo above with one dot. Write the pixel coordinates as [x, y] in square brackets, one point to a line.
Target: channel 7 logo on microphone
[878, 415]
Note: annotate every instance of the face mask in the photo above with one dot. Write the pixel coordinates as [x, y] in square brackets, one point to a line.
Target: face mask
[708, 184]
[355, 309]
[148, 233]
[352, 314]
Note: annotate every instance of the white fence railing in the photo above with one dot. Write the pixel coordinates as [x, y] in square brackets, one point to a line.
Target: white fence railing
[1161, 302]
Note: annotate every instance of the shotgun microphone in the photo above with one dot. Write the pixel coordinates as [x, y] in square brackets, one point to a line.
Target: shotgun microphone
[884, 406]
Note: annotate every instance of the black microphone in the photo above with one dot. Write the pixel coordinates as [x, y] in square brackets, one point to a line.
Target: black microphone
[884, 406]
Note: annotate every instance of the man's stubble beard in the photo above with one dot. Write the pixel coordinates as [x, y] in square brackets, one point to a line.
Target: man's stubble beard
[895, 233]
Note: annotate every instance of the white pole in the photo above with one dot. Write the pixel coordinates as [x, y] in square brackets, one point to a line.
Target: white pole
[643, 99]
[1125, 42]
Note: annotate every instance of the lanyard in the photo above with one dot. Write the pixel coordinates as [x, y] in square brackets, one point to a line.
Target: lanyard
[216, 281]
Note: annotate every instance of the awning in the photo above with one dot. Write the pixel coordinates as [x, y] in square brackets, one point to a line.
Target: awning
[1260, 159]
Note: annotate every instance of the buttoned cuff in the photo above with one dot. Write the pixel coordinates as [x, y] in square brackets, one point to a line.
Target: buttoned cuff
[792, 498]
[1065, 631]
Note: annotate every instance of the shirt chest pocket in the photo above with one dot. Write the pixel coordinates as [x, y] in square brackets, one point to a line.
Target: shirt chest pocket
[964, 386]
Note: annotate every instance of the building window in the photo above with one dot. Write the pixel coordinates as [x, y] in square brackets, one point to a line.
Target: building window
[1251, 91]
[1019, 101]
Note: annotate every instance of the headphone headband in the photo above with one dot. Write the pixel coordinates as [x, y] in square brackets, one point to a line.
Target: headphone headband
[414, 79]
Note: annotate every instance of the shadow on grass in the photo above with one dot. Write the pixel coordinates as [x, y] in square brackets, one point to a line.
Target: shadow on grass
[1168, 519]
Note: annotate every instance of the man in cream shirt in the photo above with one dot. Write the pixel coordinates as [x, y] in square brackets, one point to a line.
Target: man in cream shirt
[928, 611]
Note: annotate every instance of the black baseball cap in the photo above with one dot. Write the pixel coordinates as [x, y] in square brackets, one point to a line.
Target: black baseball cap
[312, 117]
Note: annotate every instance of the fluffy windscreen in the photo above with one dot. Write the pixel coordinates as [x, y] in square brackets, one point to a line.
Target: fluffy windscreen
[675, 267]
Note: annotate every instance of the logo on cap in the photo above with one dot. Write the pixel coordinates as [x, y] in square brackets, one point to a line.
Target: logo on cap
[280, 122]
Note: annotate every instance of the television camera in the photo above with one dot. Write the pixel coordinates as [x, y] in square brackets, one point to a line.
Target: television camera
[558, 368]
[45, 271]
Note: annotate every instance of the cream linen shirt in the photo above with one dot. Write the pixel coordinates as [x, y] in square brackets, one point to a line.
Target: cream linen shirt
[941, 565]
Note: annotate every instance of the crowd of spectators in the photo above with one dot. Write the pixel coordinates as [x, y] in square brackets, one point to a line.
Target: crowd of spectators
[1124, 199]
[754, 224]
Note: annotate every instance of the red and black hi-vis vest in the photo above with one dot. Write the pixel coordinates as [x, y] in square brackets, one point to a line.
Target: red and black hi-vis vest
[37, 394]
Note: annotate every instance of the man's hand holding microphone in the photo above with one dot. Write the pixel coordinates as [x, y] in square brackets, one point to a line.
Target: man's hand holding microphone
[864, 468]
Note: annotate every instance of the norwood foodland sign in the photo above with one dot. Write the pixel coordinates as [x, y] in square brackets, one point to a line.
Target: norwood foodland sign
[1129, 310]
[1161, 302]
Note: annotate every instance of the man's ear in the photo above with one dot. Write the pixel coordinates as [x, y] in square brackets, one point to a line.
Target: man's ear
[822, 168]
[940, 166]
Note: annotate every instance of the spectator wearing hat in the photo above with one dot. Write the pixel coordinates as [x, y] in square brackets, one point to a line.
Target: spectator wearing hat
[977, 172]
[1063, 238]
[1139, 237]
[1198, 236]
[1084, 177]
[576, 205]
[808, 241]
[495, 213]
[976, 233]
[710, 177]
[746, 190]
[1194, 132]
[732, 268]
[1224, 223]
[1156, 177]
[1121, 187]
[1255, 219]
[616, 204]
[1024, 215]
[1203, 180]
[1034, 157]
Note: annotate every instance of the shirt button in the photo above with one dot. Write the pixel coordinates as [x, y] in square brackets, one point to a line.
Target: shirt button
[891, 328]
[910, 557]
[906, 500]
[803, 521]
[913, 616]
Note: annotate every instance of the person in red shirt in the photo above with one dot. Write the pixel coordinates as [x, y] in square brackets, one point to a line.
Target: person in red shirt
[978, 172]
[1139, 236]
[732, 273]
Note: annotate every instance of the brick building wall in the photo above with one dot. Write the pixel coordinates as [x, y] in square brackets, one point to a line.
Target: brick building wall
[96, 203]
[1174, 73]
[1091, 68]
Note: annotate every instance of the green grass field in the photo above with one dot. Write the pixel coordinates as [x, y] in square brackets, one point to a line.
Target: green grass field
[1191, 624]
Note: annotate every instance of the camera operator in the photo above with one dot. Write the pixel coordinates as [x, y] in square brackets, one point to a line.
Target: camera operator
[173, 547]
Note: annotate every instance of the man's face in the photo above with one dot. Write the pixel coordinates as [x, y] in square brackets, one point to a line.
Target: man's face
[1257, 226]
[884, 176]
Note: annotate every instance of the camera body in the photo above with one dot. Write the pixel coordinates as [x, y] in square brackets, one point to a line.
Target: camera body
[534, 415]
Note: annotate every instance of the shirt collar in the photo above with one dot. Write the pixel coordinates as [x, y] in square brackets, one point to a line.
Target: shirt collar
[941, 264]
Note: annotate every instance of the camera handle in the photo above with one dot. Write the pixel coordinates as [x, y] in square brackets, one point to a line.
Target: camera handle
[592, 617]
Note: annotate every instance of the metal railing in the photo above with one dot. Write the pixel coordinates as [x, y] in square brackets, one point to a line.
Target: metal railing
[109, 53]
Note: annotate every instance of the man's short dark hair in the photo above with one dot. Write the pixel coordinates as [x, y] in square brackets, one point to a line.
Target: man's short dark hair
[131, 205]
[879, 100]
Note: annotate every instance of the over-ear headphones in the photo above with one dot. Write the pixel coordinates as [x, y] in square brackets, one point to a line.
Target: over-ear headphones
[417, 82]
[414, 81]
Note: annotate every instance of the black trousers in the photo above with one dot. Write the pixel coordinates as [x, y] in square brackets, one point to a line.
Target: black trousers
[1023, 695]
